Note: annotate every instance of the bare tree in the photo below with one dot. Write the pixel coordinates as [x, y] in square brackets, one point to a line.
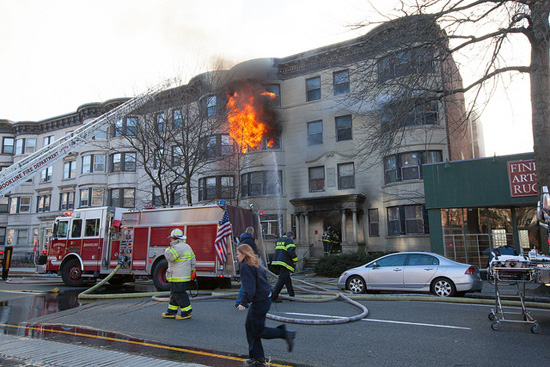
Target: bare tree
[172, 137]
[419, 67]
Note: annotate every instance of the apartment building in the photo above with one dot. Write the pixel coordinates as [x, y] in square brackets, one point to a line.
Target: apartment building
[309, 171]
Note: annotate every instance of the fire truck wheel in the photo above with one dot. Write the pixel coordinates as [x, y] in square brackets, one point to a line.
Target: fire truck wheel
[159, 276]
[72, 273]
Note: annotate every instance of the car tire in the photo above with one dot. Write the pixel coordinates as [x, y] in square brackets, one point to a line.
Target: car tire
[443, 287]
[71, 273]
[356, 284]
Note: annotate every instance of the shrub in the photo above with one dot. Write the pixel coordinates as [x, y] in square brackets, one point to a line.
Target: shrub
[334, 265]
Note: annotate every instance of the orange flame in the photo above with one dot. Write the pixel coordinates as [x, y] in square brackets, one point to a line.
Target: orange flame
[246, 127]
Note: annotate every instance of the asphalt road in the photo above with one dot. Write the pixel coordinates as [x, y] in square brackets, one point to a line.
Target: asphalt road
[395, 333]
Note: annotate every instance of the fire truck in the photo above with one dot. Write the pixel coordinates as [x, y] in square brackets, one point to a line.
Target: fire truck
[91, 243]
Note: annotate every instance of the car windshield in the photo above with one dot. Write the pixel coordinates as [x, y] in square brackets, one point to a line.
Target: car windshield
[392, 260]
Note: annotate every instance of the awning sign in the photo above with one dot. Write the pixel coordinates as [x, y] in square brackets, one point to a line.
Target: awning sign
[523, 178]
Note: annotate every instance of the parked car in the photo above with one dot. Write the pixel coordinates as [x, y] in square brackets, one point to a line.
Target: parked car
[413, 271]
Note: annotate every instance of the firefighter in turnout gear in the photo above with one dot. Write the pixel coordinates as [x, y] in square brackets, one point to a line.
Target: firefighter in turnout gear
[285, 259]
[336, 247]
[181, 263]
[327, 241]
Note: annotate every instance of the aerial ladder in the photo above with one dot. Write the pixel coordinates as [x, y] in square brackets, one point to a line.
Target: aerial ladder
[24, 169]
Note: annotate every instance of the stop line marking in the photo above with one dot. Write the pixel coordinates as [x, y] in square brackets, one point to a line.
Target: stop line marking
[383, 321]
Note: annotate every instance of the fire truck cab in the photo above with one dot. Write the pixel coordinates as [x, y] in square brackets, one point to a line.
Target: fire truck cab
[92, 242]
[80, 241]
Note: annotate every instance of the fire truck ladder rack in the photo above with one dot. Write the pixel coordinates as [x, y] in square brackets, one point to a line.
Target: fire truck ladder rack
[511, 276]
[24, 169]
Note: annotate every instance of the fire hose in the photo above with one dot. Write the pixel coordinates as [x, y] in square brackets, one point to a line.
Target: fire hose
[321, 292]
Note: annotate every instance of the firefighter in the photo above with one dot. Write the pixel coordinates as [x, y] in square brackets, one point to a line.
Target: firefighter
[336, 247]
[285, 259]
[181, 264]
[327, 243]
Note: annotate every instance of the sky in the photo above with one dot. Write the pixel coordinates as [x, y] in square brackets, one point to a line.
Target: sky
[56, 55]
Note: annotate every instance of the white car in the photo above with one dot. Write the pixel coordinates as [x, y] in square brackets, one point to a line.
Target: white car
[415, 272]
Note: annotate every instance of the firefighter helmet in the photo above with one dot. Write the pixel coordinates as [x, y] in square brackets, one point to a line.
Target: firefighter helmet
[177, 233]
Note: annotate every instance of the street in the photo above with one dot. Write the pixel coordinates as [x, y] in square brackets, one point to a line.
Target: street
[394, 333]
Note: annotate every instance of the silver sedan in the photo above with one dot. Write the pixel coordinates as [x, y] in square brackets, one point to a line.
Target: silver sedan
[413, 271]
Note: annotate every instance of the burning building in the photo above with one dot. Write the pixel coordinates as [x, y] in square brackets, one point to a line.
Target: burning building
[307, 139]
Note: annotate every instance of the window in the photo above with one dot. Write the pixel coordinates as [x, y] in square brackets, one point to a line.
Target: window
[343, 128]
[69, 169]
[316, 179]
[177, 155]
[125, 127]
[394, 221]
[374, 230]
[407, 219]
[423, 113]
[123, 162]
[313, 89]
[43, 203]
[25, 146]
[275, 89]
[390, 168]
[4, 204]
[124, 198]
[10, 236]
[66, 200]
[414, 219]
[217, 187]
[407, 166]
[48, 140]
[341, 82]
[315, 133]
[174, 192]
[261, 183]
[76, 228]
[217, 146]
[25, 204]
[160, 121]
[7, 145]
[209, 106]
[392, 260]
[91, 228]
[46, 175]
[91, 197]
[346, 176]
[177, 119]
[2, 236]
[410, 166]
[271, 225]
[93, 163]
[158, 158]
[405, 62]
[22, 237]
[418, 259]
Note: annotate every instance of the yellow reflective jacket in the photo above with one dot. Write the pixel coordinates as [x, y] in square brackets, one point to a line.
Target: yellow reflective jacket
[181, 261]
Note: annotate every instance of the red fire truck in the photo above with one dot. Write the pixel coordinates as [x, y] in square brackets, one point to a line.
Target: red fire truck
[90, 243]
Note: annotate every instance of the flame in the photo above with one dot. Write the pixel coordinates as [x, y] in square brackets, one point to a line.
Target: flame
[247, 125]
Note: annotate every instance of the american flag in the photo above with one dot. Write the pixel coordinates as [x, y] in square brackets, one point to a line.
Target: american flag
[220, 244]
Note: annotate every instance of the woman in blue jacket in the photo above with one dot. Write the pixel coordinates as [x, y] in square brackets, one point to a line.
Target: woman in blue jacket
[257, 294]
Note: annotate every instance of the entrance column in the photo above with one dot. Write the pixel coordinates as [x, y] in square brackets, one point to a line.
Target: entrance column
[343, 239]
[354, 220]
[306, 225]
[298, 227]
